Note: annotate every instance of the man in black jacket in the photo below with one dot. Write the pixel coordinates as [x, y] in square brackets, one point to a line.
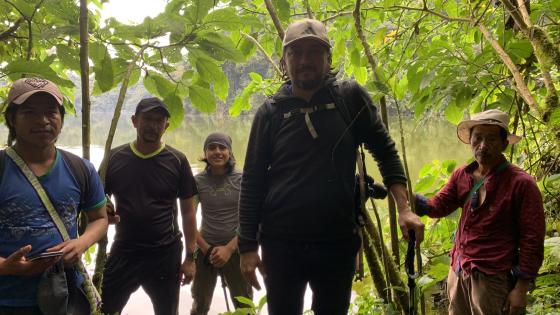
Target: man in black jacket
[297, 193]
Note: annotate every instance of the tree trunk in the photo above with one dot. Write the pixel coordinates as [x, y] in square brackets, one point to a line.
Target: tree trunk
[101, 258]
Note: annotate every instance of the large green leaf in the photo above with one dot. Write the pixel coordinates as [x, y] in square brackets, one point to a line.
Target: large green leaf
[158, 85]
[520, 49]
[219, 47]
[17, 68]
[283, 9]
[102, 67]
[176, 109]
[202, 99]
[210, 72]
[453, 113]
[225, 19]
[198, 9]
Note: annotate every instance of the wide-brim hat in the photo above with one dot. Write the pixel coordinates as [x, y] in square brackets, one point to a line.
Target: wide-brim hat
[488, 117]
[306, 28]
[23, 88]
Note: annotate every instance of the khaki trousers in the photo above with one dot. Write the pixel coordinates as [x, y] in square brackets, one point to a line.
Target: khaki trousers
[477, 293]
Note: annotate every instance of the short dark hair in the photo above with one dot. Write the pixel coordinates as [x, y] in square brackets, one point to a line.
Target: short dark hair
[10, 115]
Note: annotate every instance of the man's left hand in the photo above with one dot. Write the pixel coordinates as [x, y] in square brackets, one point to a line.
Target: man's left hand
[516, 301]
[220, 256]
[188, 269]
[73, 250]
[408, 220]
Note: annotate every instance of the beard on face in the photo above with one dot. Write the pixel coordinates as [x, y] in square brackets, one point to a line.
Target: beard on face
[309, 84]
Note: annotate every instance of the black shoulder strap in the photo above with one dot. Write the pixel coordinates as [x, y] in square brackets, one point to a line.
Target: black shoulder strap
[80, 172]
[274, 116]
[2, 158]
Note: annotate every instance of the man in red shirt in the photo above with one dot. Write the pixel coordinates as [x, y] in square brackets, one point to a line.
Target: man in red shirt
[498, 246]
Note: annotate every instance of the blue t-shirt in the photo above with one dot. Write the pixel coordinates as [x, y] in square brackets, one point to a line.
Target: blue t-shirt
[24, 220]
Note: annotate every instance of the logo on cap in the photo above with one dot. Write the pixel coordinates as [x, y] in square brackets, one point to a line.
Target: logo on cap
[309, 30]
[37, 83]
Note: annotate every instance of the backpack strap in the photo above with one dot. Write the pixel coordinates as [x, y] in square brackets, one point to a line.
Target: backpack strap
[80, 172]
[2, 159]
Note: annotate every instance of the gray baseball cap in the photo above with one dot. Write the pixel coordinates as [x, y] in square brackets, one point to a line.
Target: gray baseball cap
[306, 28]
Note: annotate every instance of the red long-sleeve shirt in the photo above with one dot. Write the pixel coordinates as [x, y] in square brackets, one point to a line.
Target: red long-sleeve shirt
[506, 232]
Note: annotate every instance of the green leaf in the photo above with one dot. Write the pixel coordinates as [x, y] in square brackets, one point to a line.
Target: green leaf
[522, 49]
[176, 109]
[245, 301]
[449, 166]
[414, 78]
[158, 85]
[196, 12]
[219, 47]
[401, 89]
[210, 72]
[256, 77]
[69, 57]
[102, 67]
[202, 99]
[283, 9]
[424, 184]
[379, 37]
[247, 47]
[360, 74]
[381, 87]
[355, 57]
[225, 19]
[453, 113]
[17, 68]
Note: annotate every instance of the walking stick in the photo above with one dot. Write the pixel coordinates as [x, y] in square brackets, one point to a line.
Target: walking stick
[224, 286]
[409, 268]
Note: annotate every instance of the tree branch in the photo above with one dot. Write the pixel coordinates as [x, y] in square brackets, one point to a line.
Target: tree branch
[524, 13]
[275, 19]
[261, 49]
[7, 33]
[309, 11]
[520, 85]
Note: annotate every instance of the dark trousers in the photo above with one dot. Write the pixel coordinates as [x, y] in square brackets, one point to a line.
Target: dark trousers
[328, 268]
[158, 274]
[205, 281]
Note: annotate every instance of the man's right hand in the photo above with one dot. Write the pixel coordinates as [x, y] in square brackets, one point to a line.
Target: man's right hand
[249, 262]
[17, 264]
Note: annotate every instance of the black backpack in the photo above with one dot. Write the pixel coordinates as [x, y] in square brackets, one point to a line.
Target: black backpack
[77, 167]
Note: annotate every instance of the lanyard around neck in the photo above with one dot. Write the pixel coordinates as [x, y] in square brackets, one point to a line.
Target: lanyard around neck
[478, 184]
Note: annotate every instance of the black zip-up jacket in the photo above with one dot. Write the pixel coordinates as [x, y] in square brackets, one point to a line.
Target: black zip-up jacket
[297, 187]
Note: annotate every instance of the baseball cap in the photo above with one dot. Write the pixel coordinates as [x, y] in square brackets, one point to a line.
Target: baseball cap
[151, 103]
[218, 138]
[306, 28]
[23, 88]
[488, 117]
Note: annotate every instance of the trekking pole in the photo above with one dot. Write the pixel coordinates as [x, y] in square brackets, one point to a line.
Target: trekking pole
[409, 268]
[224, 286]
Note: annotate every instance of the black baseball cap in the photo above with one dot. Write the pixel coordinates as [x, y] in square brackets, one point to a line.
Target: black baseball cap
[151, 103]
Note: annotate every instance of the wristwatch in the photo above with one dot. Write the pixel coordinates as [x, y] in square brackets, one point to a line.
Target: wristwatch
[190, 255]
